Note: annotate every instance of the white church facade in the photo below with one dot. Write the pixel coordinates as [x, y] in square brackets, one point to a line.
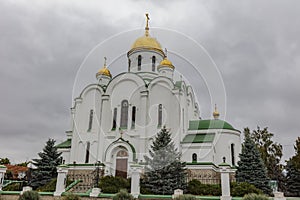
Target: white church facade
[115, 119]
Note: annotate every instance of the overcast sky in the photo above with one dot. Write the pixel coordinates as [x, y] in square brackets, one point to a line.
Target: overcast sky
[254, 44]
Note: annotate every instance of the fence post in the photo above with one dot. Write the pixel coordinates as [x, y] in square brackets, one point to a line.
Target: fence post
[225, 169]
[2, 173]
[62, 172]
[135, 180]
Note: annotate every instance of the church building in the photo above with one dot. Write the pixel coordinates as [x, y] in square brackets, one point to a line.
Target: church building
[116, 118]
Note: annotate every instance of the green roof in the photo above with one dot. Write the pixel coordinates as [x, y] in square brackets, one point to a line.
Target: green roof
[209, 124]
[198, 138]
[65, 144]
[178, 84]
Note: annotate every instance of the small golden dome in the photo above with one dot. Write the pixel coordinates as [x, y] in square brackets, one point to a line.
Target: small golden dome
[166, 63]
[104, 71]
[216, 114]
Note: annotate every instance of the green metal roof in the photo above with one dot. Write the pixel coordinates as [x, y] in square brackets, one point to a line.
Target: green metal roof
[65, 144]
[209, 124]
[198, 138]
[178, 84]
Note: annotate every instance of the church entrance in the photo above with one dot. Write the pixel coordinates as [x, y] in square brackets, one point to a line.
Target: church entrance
[122, 163]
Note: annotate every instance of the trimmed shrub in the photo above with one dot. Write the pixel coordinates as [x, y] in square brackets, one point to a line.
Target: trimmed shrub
[30, 195]
[185, 197]
[255, 197]
[49, 187]
[123, 195]
[197, 188]
[13, 187]
[71, 197]
[111, 184]
[243, 188]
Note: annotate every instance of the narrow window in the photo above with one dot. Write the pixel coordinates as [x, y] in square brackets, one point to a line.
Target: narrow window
[129, 63]
[159, 115]
[133, 117]
[87, 153]
[114, 125]
[194, 157]
[124, 114]
[153, 63]
[139, 62]
[232, 155]
[91, 120]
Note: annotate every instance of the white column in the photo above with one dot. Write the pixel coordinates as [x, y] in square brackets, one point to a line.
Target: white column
[62, 172]
[225, 182]
[135, 180]
[2, 173]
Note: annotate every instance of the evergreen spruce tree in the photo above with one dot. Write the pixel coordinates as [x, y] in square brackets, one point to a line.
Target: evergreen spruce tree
[46, 165]
[251, 168]
[164, 171]
[293, 172]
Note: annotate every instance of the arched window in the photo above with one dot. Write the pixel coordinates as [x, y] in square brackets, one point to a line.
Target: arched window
[153, 63]
[232, 154]
[87, 152]
[91, 120]
[194, 157]
[133, 116]
[139, 63]
[129, 63]
[114, 125]
[124, 114]
[159, 124]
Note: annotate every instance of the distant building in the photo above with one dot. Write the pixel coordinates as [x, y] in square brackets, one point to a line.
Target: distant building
[115, 119]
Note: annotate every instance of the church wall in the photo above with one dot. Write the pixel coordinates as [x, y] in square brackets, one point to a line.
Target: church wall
[84, 131]
[161, 93]
[223, 143]
[204, 152]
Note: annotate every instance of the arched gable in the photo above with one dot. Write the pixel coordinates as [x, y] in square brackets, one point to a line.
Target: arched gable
[115, 145]
[161, 81]
[89, 88]
[126, 76]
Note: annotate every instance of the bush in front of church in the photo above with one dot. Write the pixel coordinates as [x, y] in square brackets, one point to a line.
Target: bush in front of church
[197, 188]
[111, 184]
[30, 195]
[255, 197]
[185, 197]
[123, 195]
[243, 188]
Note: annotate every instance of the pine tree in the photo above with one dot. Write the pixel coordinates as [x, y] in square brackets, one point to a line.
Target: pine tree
[251, 168]
[164, 172]
[293, 172]
[46, 165]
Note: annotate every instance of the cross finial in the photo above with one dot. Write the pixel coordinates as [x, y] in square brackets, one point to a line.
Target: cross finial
[105, 59]
[147, 25]
[166, 52]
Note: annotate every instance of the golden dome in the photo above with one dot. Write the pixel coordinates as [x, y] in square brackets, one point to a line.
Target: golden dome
[146, 42]
[166, 63]
[104, 71]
